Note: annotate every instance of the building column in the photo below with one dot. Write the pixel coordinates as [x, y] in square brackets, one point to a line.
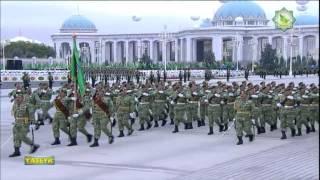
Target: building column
[127, 51]
[217, 47]
[285, 48]
[301, 46]
[194, 50]
[188, 49]
[57, 49]
[240, 49]
[114, 43]
[151, 50]
[176, 48]
[254, 49]
[139, 46]
[103, 52]
[270, 40]
[92, 53]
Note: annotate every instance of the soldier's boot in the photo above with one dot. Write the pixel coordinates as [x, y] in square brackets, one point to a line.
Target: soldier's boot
[271, 127]
[141, 127]
[34, 148]
[240, 141]
[121, 134]
[148, 125]
[151, 118]
[284, 136]
[299, 132]
[225, 127]
[220, 128]
[210, 130]
[263, 130]
[73, 142]
[114, 123]
[247, 135]
[199, 123]
[50, 119]
[275, 126]
[89, 138]
[250, 137]
[190, 125]
[56, 141]
[293, 132]
[95, 143]
[203, 123]
[176, 129]
[130, 132]
[313, 129]
[186, 126]
[111, 139]
[156, 124]
[132, 120]
[16, 152]
[164, 122]
[171, 121]
[258, 130]
[308, 129]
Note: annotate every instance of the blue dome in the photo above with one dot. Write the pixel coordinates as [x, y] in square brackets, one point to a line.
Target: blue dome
[78, 23]
[245, 9]
[306, 20]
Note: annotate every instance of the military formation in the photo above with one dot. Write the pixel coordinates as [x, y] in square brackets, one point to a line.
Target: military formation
[248, 108]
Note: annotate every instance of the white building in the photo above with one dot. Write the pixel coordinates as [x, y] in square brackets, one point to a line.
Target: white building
[237, 31]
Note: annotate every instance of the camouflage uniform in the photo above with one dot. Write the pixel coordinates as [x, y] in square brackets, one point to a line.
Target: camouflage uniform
[20, 111]
[124, 106]
[215, 111]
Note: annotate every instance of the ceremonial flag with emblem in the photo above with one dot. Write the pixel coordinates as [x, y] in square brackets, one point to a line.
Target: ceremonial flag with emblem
[76, 71]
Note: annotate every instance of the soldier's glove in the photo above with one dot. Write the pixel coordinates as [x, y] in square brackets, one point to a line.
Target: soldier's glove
[51, 101]
[171, 102]
[221, 102]
[73, 98]
[69, 118]
[136, 99]
[11, 100]
[279, 105]
[75, 115]
[194, 93]
[180, 95]
[132, 115]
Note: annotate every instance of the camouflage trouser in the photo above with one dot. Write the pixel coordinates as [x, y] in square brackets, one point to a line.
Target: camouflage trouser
[123, 118]
[179, 114]
[171, 110]
[192, 113]
[314, 114]
[20, 132]
[59, 122]
[101, 123]
[81, 123]
[159, 111]
[144, 114]
[31, 110]
[267, 116]
[228, 113]
[45, 108]
[243, 123]
[256, 113]
[203, 111]
[304, 114]
[287, 117]
[214, 115]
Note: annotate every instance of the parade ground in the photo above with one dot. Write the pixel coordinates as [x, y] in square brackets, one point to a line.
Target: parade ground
[158, 154]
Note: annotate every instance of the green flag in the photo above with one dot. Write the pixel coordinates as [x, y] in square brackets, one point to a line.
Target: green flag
[76, 71]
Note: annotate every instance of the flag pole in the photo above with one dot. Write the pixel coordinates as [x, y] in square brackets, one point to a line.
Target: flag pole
[76, 83]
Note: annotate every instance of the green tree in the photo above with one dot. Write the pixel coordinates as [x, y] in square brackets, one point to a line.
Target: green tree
[23, 49]
[209, 59]
[268, 58]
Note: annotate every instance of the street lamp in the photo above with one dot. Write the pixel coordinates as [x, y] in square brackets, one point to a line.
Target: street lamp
[291, 43]
[252, 43]
[165, 36]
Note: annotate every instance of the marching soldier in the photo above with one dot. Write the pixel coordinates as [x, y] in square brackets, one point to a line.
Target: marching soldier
[21, 113]
[203, 104]
[193, 105]
[314, 106]
[304, 111]
[180, 101]
[228, 107]
[159, 106]
[144, 108]
[215, 102]
[287, 113]
[45, 97]
[26, 80]
[267, 109]
[102, 108]
[124, 106]
[243, 108]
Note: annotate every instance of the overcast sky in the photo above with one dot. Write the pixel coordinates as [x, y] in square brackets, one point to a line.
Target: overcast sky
[38, 20]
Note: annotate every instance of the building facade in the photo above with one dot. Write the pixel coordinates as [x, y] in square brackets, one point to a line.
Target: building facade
[238, 31]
